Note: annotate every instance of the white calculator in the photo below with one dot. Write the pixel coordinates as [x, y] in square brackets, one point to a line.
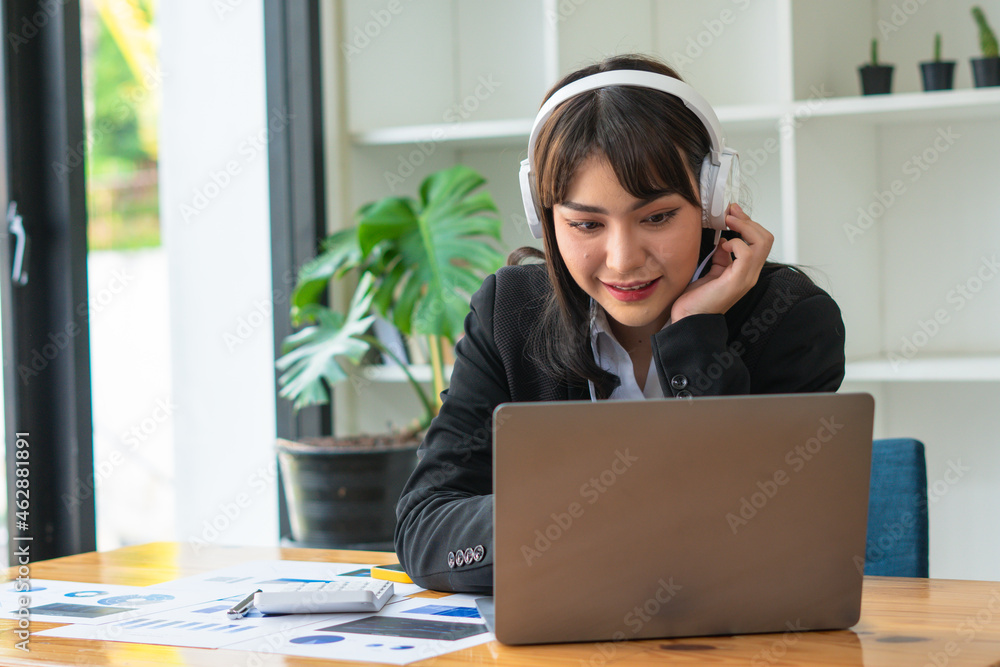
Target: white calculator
[320, 597]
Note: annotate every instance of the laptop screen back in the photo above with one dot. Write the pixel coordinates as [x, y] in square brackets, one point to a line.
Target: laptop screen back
[663, 518]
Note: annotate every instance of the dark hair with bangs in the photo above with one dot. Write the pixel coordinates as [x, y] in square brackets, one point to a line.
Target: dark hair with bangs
[654, 144]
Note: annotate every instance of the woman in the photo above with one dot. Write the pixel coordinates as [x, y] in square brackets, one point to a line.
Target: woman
[617, 310]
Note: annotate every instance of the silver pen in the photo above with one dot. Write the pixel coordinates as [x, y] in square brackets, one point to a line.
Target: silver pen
[240, 609]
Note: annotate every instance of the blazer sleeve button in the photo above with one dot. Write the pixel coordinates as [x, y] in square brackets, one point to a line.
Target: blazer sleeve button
[478, 553]
[451, 559]
[459, 558]
[679, 382]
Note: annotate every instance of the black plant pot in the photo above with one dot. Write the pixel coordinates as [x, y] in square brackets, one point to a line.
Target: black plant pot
[938, 75]
[985, 71]
[876, 79]
[343, 496]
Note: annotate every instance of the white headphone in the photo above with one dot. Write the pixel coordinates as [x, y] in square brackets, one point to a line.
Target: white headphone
[719, 165]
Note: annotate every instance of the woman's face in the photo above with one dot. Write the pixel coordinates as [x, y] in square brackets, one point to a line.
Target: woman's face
[633, 257]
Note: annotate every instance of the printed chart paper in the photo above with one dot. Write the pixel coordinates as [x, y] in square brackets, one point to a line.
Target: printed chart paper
[252, 575]
[400, 634]
[91, 604]
[191, 612]
[203, 626]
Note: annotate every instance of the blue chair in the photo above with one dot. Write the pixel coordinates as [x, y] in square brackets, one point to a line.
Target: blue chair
[897, 541]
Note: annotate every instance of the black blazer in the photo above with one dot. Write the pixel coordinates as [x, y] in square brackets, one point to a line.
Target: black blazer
[786, 335]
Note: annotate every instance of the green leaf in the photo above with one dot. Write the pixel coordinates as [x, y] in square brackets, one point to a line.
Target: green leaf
[341, 253]
[313, 357]
[386, 219]
[442, 247]
[447, 185]
[419, 261]
[385, 293]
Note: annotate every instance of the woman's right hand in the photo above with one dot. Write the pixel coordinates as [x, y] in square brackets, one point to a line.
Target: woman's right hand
[728, 279]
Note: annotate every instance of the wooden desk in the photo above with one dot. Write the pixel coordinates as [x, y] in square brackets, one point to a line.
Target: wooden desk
[903, 622]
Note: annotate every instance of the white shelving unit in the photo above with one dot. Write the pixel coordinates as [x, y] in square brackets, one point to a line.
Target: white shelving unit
[891, 202]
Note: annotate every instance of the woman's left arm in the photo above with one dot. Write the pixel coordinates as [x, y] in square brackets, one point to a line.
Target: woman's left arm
[790, 340]
[805, 352]
[786, 337]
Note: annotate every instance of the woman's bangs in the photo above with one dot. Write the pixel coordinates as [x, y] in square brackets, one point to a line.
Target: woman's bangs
[635, 130]
[644, 157]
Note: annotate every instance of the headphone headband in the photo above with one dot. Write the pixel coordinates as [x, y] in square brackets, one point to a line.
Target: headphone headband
[642, 79]
[716, 167]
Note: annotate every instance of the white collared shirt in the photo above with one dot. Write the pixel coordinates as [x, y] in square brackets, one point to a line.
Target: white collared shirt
[612, 357]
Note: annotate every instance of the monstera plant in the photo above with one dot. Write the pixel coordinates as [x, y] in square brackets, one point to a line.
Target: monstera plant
[417, 263]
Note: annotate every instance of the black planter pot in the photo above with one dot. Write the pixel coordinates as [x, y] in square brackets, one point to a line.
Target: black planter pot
[938, 75]
[342, 496]
[876, 80]
[985, 72]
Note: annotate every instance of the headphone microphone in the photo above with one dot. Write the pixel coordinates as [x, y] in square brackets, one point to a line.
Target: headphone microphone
[719, 176]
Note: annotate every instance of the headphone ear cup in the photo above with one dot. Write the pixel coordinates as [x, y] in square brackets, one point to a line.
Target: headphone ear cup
[706, 183]
[713, 185]
[528, 199]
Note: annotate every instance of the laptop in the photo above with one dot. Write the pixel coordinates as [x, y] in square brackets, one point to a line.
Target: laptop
[675, 518]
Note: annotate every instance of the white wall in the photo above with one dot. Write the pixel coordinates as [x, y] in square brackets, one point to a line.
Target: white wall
[215, 219]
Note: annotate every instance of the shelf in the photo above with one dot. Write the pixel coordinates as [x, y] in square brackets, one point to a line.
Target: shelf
[931, 369]
[977, 103]
[749, 117]
[947, 105]
[473, 133]
[516, 131]
[393, 373]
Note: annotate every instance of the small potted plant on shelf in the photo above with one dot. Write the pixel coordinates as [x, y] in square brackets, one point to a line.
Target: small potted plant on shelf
[876, 79]
[938, 74]
[417, 263]
[985, 70]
